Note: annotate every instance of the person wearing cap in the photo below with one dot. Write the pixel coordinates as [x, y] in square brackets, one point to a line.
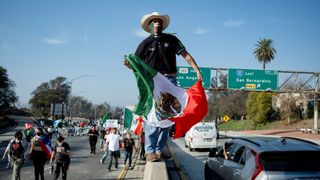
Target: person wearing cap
[61, 156]
[159, 50]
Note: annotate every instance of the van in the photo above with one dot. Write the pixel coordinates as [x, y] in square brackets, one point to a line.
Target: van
[201, 135]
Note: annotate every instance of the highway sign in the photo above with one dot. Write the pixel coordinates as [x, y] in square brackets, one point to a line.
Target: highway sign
[186, 77]
[250, 79]
[226, 118]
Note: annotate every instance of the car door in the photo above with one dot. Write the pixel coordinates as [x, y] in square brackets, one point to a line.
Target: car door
[234, 165]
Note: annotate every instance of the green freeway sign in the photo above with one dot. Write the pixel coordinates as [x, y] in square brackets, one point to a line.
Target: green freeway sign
[250, 79]
[186, 77]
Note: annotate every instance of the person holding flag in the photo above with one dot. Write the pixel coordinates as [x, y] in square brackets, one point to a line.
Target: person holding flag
[39, 153]
[159, 51]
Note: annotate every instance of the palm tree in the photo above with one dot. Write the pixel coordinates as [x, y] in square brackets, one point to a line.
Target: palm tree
[264, 51]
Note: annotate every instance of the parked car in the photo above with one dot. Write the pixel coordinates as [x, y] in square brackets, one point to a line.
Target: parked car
[264, 158]
[201, 135]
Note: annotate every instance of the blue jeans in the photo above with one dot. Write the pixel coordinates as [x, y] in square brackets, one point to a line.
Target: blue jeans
[105, 155]
[156, 137]
[128, 155]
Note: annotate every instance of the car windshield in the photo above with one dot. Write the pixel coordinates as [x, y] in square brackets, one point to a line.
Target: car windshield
[291, 161]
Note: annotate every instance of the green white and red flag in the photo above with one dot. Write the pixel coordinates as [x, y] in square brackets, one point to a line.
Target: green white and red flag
[163, 104]
[105, 118]
[136, 126]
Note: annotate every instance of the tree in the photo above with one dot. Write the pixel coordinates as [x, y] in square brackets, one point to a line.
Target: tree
[7, 94]
[54, 91]
[81, 107]
[264, 51]
[259, 107]
[291, 103]
[102, 109]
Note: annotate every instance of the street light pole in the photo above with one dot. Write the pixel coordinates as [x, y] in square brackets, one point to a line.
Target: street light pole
[69, 110]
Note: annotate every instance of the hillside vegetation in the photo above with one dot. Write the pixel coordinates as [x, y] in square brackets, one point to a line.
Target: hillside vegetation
[240, 125]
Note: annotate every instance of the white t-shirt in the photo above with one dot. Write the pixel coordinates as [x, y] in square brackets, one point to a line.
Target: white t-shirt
[113, 140]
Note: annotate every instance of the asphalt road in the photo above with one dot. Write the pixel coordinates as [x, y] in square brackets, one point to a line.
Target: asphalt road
[191, 163]
[84, 165]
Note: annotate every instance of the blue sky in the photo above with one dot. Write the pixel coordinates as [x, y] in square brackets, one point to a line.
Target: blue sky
[42, 39]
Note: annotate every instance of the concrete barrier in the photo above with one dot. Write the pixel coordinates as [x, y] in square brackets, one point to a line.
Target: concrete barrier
[155, 171]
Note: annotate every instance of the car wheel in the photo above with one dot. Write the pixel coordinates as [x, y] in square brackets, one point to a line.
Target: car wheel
[190, 148]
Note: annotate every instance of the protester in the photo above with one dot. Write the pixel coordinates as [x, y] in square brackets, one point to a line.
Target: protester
[129, 145]
[102, 133]
[106, 147]
[50, 132]
[159, 50]
[113, 140]
[93, 138]
[142, 151]
[16, 154]
[38, 154]
[61, 156]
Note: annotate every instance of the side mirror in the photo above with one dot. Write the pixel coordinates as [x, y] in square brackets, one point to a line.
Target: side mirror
[213, 152]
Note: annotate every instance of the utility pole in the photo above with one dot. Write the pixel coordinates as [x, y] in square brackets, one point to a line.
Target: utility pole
[69, 109]
[316, 103]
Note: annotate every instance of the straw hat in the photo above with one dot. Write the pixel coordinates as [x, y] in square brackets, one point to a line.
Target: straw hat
[146, 19]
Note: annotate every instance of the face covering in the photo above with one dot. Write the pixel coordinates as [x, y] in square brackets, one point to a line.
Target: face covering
[151, 27]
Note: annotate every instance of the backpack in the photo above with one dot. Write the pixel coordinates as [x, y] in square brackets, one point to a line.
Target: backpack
[16, 150]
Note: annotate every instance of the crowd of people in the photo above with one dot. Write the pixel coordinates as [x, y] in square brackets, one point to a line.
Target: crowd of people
[34, 144]
[112, 141]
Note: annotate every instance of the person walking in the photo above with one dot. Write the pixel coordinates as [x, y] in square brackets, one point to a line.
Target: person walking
[37, 154]
[142, 151]
[159, 51]
[105, 147]
[113, 140]
[129, 145]
[102, 133]
[50, 132]
[93, 138]
[61, 157]
[16, 151]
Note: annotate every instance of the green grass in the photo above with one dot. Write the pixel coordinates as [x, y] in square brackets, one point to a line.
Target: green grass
[235, 125]
[238, 125]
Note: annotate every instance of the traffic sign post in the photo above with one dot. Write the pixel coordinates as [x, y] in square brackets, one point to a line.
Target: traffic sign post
[186, 77]
[250, 79]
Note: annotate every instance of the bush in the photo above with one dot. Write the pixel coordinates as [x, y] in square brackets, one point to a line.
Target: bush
[259, 107]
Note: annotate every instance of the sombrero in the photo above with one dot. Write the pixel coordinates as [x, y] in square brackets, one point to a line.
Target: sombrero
[145, 21]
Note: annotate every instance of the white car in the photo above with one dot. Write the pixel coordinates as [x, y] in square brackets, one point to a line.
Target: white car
[201, 135]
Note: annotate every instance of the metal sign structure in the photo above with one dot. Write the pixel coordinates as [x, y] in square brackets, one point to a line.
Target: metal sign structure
[288, 82]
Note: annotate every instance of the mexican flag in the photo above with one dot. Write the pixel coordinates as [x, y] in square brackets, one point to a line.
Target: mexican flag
[132, 121]
[163, 104]
[105, 118]
[136, 126]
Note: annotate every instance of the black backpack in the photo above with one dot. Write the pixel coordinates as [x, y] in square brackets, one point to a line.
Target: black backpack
[16, 150]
